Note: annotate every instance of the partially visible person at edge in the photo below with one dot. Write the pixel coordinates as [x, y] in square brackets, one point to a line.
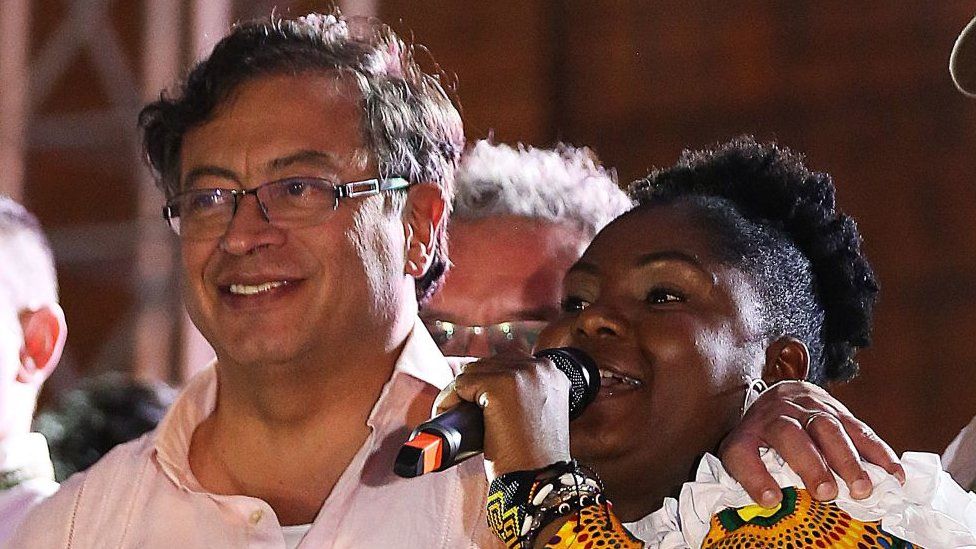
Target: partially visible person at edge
[105, 411]
[522, 216]
[959, 458]
[307, 166]
[734, 265]
[32, 335]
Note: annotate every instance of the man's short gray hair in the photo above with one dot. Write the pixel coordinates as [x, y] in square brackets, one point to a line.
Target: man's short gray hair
[561, 185]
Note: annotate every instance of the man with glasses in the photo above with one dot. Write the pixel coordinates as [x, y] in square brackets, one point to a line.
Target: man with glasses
[32, 335]
[521, 217]
[307, 165]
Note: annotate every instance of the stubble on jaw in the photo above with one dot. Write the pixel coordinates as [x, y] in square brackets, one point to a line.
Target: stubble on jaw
[381, 256]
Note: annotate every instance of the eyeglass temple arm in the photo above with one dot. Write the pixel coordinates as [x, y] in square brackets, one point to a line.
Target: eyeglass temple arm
[370, 187]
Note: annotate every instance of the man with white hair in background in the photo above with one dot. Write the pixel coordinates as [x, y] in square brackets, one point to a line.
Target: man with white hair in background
[521, 217]
[32, 334]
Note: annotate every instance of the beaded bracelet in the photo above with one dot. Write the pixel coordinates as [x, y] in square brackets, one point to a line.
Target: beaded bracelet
[521, 503]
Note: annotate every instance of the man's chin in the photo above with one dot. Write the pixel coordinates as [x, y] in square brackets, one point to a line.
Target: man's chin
[256, 351]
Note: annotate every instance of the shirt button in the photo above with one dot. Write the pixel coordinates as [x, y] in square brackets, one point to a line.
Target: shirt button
[256, 516]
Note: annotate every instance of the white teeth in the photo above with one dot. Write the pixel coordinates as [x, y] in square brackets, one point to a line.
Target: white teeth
[607, 375]
[252, 289]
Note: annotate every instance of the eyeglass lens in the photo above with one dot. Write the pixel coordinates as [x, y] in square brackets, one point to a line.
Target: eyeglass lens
[457, 340]
[206, 213]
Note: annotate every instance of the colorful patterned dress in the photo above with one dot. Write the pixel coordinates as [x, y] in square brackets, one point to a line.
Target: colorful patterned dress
[714, 512]
[799, 521]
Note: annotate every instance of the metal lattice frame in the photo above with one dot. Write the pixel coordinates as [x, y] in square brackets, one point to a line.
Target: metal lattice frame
[164, 348]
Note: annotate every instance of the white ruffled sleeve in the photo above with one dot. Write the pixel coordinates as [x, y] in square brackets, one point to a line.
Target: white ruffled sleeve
[929, 510]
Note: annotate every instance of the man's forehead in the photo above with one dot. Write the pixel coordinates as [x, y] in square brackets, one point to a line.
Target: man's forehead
[313, 162]
[276, 123]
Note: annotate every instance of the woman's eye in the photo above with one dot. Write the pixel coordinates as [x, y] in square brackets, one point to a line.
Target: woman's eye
[661, 296]
[573, 304]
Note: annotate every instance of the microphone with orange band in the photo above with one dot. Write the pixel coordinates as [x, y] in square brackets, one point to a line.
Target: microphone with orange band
[458, 434]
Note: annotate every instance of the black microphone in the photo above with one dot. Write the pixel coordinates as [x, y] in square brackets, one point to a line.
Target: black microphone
[459, 433]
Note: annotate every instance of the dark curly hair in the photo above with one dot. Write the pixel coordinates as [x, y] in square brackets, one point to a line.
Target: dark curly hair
[105, 411]
[776, 220]
[409, 122]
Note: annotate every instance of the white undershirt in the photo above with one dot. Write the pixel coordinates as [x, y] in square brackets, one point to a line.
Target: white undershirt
[294, 534]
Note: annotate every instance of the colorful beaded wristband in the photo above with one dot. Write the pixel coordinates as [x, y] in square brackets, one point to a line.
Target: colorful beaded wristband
[521, 503]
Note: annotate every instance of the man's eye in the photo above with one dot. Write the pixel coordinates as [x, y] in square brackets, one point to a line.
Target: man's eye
[573, 304]
[662, 296]
[201, 202]
[297, 188]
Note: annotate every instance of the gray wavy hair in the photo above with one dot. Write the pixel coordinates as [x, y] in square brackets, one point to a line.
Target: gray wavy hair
[561, 185]
[409, 122]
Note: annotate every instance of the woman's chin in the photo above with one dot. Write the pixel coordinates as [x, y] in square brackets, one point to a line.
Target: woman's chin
[604, 430]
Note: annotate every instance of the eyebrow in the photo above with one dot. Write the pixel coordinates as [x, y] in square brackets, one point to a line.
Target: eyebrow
[205, 171]
[581, 267]
[647, 259]
[319, 158]
[674, 255]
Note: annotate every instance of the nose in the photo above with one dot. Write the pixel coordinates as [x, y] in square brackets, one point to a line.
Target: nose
[249, 229]
[599, 322]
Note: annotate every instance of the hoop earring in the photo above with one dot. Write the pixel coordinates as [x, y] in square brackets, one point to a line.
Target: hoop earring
[755, 388]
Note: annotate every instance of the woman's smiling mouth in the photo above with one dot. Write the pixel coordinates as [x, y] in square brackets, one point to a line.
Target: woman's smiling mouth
[612, 382]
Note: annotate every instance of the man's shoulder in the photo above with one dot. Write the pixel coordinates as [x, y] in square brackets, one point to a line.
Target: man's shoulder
[123, 459]
[87, 497]
[119, 469]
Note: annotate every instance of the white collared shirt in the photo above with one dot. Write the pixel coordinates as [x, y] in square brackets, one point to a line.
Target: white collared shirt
[25, 456]
[143, 494]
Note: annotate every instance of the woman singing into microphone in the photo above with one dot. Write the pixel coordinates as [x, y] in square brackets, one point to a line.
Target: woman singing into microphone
[733, 272]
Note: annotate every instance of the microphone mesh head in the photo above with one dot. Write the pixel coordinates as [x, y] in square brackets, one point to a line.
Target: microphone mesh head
[582, 373]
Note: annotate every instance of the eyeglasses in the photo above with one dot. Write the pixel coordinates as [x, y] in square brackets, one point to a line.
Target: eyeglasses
[200, 214]
[457, 340]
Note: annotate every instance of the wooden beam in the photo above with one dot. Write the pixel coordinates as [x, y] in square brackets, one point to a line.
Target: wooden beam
[14, 83]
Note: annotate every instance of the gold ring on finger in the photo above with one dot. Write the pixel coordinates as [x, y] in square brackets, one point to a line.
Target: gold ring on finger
[813, 416]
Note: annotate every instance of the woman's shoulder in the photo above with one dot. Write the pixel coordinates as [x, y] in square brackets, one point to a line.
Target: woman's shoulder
[928, 510]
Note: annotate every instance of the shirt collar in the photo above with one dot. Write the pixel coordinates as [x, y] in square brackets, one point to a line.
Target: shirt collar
[172, 438]
[420, 359]
[423, 360]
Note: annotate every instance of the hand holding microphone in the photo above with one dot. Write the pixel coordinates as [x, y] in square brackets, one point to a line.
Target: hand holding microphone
[517, 409]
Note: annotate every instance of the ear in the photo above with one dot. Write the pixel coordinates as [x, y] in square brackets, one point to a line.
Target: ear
[423, 220]
[786, 358]
[45, 332]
